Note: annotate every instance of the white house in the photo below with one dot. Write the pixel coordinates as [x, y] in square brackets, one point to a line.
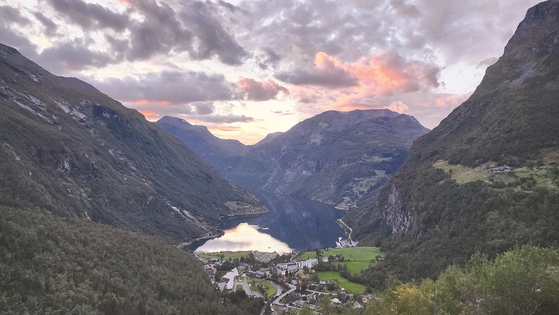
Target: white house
[309, 263]
[231, 277]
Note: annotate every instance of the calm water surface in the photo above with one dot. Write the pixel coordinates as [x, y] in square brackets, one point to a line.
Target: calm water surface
[291, 224]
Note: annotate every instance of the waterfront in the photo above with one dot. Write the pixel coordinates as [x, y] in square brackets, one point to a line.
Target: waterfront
[291, 223]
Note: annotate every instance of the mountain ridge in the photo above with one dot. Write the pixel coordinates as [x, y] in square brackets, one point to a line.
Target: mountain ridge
[337, 158]
[72, 151]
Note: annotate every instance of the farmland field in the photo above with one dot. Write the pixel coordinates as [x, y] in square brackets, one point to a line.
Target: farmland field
[342, 282]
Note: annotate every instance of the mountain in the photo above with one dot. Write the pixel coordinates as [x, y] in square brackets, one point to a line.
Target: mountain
[217, 152]
[486, 179]
[269, 137]
[338, 158]
[70, 150]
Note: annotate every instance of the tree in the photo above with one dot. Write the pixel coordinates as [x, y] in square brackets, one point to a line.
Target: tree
[306, 310]
[326, 307]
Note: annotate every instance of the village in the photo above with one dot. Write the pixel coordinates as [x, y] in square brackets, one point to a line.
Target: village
[291, 280]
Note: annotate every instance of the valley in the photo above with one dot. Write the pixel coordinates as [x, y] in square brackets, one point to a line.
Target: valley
[128, 203]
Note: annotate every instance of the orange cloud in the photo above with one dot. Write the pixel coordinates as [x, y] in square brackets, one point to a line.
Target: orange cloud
[398, 107]
[447, 101]
[377, 76]
[224, 128]
[142, 101]
[151, 116]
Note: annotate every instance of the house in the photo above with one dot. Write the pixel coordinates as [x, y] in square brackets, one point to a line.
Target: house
[366, 297]
[230, 279]
[283, 267]
[325, 259]
[309, 263]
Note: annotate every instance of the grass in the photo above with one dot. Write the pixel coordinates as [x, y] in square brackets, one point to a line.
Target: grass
[463, 174]
[342, 282]
[270, 288]
[360, 257]
[543, 176]
[354, 266]
[226, 255]
[363, 254]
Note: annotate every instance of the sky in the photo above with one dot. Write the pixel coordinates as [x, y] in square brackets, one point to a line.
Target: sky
[246, 68]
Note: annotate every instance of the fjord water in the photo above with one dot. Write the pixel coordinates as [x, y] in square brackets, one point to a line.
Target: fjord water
[292, 223]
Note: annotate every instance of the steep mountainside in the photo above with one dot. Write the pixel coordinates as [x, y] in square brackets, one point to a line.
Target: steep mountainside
[217, 152]
[338, 158]
[486, 179]
[67, 149]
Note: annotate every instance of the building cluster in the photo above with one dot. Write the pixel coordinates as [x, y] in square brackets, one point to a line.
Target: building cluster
[290, 277]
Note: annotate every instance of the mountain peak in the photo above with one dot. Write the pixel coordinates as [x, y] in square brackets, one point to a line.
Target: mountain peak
[176, 120]
[538, 33]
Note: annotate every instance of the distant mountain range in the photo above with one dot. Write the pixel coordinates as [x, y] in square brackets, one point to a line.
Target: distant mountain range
[487, 178]
[337, 158]
[70, 150]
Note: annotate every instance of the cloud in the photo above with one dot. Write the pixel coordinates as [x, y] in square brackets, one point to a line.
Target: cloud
[328, 72]
[90, 15]
[147, 28]
[386, 73]
[9, 14]
[160, 31]
[486, 62]
[173, 87]
[10, 38]
[186, 112]
[374, 79]
[212, 37]
[155, 110]
[73, 56]
[398, 107]
[259, 90]
[228, 119]
[48, 24]
[329, 54]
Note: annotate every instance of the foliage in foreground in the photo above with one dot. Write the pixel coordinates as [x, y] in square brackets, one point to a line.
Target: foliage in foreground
[54, 266]
[521, 281]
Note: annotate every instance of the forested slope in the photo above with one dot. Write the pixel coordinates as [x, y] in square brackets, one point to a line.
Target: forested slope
[53, 266]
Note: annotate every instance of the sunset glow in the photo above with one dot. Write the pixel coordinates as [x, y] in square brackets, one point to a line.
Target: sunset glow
[249, 68]
[245, 237]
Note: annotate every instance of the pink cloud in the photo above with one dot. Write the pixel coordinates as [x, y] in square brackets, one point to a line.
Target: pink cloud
[259, 90]
[380, 79]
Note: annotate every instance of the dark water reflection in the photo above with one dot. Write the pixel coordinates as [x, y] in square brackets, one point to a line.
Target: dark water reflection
[300, 223]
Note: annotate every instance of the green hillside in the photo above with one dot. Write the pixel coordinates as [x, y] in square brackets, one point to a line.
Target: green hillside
[54, 266]
[487, 178]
